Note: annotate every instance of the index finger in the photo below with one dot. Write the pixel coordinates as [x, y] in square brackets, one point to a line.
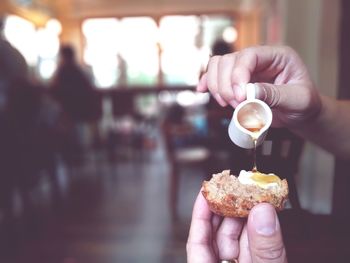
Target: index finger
[200, 240]
[261, 60]
[256, 59]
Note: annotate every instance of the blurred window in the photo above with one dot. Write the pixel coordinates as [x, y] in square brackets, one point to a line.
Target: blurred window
[180, 50]
[139, 50]
[48, 45]
[21, 34]
[101, 51]
[136, 51]
[39, 47]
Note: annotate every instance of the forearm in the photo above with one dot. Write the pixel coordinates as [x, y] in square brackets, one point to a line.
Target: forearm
[331, 128]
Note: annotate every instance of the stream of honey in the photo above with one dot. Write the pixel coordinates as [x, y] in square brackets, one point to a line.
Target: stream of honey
[260, 178]
[255, 131]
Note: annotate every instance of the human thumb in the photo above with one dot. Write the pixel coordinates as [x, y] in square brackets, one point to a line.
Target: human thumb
[299, 102]
[264, 235]
[287, 96]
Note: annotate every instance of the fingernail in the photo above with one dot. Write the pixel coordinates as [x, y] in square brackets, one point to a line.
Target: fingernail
[234, 103]
[264, 220]
[220, 100]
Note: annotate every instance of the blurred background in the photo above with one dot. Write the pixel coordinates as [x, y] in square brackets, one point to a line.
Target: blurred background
[104, 143]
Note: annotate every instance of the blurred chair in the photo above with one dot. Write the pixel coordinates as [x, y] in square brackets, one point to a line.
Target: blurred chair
[280, 154]
[80, 102]
[184, 148]
[123, 135]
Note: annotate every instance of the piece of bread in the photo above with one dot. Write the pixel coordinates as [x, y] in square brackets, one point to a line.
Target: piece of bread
[226, 196]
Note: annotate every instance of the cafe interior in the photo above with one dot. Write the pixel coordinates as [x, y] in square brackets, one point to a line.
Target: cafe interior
[101, 161]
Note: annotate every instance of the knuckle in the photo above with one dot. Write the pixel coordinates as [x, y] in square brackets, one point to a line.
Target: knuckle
[231, 235]
[212, 85]
[267, 254]
[213, 59]
[240, 74]
[223, 62]
[212, 63]
[247, 54]
[226, 59]
[237, 71]
[287, 50]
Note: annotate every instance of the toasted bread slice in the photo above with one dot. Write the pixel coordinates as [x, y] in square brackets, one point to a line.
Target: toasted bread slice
[228, 197]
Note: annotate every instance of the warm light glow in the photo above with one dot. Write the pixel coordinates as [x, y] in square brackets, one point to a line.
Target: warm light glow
[230, 34]
[54, 26]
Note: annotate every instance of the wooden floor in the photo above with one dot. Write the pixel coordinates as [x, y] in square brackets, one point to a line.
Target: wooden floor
[111, 212]
[119, 212]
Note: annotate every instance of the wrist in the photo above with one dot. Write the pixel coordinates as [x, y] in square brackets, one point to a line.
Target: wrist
[316, 121]
[310, 114]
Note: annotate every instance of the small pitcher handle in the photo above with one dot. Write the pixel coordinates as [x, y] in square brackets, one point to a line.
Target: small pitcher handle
[250, 89]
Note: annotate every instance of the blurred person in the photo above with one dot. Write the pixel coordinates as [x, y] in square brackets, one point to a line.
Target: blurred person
[72, 87]
[12, 66]
[283, 82]
[26, 149]
[13, 70]
[74, 91]
[221, 47]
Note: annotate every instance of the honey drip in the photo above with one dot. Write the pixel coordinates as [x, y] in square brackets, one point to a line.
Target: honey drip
[255, 131]
[260, 179]
[264, 179]
[255, 169]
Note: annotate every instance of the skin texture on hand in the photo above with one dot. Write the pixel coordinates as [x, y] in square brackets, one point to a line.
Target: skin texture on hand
[213, 238]
[282, 80]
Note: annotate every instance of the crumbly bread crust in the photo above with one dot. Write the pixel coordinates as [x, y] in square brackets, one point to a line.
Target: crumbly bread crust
[226, 196]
